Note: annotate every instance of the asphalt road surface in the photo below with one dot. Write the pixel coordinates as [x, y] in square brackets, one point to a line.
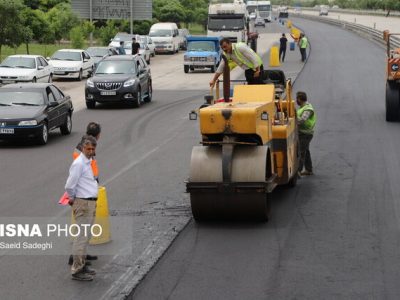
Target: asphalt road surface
[143, 157]
[336, 235]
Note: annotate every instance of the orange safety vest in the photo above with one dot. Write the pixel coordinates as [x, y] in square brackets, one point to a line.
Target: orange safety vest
[93, 163]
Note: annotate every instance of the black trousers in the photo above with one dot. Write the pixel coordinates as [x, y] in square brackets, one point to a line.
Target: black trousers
[303, 54]
[249, 74]
[282, 54]
[305, 156]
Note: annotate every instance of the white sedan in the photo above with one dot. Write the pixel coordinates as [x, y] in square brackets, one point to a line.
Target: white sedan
[149, 42]
[25, 68]
[143, 50]
[72, 63]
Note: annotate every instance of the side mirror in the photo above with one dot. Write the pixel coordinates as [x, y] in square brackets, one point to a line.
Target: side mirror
[40, 68]
[53, 104]
[85, 60]
[48, 58]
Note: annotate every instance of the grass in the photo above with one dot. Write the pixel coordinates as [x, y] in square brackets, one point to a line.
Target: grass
[49, 49]
[38, 49]
[197, 29]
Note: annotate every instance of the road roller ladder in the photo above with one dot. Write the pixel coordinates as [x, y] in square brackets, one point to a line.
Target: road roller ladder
[392, 99]
[249, 146]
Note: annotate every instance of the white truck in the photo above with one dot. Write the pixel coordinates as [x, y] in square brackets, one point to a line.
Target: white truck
[228, 20]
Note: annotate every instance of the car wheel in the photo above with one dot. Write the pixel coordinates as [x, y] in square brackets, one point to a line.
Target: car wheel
[42, 139]
[80, 76]
[66, 128]
[149, 93]
[34, 80]
[213, 69]
[191, 68]
[186, 69]
[153, 54]
[50, 78]
[137, 101]
[148, 61]
[91, 104]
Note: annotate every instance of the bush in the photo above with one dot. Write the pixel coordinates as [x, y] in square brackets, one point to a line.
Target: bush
[77, 37]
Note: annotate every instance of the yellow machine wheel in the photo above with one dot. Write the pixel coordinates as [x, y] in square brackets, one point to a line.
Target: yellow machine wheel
[242, 196]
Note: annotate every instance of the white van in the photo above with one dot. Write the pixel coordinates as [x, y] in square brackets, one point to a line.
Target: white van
[165, 37]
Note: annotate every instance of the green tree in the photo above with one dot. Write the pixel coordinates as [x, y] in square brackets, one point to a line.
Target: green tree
[61, 20]
[35, 27]
[77, 37]
[169, 11]
[106, 33]
[11, 23]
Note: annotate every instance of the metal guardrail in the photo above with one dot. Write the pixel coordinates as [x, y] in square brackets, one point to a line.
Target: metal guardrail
[381, 13]
[362, 30]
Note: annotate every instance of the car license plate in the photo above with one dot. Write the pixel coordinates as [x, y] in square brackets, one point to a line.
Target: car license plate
[108, 93]
[7, 130]
[59, 73]
[8, 81]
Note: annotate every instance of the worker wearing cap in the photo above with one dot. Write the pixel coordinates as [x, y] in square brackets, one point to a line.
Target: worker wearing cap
[306, 119]
[239, 54]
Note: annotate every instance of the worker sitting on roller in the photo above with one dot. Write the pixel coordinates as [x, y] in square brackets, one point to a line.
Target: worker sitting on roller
[239, 54]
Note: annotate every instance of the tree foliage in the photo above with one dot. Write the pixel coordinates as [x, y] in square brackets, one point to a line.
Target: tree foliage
[12, 31]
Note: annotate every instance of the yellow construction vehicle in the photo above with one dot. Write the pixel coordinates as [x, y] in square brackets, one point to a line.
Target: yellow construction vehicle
[249, 146]
[392, 77]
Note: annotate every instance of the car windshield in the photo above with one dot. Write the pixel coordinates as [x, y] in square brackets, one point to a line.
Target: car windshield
[201, 46]
[67, 55]
[97, 52]
[116, 67]
[19, 62]
[160, 32]
[21, 98]
[225, 24]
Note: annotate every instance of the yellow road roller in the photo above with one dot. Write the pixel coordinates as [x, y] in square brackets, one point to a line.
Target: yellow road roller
[249, 146]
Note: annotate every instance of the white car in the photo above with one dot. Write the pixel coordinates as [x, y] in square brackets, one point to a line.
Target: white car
[143, 50]
[72, 63]
[259, 22]
[149, 42]
[25, 68]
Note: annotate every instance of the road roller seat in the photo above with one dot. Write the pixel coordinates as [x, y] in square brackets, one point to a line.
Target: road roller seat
[253, 93]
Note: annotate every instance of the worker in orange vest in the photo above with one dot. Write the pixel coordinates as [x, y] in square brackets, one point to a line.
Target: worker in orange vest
[93, 129]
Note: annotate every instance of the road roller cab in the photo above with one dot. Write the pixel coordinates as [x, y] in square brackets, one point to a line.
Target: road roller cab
[392, 101]
[249, 146]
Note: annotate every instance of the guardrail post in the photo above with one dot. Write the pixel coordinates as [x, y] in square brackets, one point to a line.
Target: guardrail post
[374, 25]
[355, 20]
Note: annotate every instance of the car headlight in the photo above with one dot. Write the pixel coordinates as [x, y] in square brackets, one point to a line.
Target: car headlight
[27, 123]
[90, 83]
[25, 77]
[210, 58]
[129, 82]
[186, 58]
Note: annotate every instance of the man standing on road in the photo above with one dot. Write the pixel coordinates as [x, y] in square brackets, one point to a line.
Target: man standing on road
[135, 46]
[82, 190]
[303, 43]
[242, 55]
[93, 129]
[306, 119]
[282, 47]
[121, 49]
